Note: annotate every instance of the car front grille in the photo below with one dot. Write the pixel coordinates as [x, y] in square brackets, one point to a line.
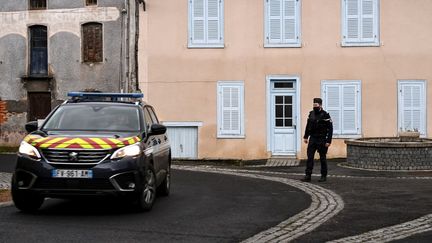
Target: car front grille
[68, 156]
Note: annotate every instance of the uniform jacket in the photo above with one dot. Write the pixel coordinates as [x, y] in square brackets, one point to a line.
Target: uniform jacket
[319, 126]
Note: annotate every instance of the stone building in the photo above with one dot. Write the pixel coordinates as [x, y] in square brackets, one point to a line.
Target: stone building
[50, 47]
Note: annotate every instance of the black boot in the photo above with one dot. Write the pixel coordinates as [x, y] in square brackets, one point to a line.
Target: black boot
[322, 179]
[307, 178]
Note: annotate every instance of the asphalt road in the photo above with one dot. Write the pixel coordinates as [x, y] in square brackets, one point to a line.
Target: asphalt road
[202, 207]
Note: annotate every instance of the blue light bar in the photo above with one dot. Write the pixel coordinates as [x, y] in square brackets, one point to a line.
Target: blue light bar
[108, 95]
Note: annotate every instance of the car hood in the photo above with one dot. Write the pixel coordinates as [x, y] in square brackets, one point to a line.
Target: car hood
[69, 141]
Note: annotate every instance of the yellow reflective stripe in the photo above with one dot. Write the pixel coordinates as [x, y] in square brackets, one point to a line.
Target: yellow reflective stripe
[116, 142]
[101, 143]
[50, 142]
[131, 141]
[84, 144]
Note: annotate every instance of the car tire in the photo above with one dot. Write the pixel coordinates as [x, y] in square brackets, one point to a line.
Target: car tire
[147, 194]
[164, 187]
[28, 202]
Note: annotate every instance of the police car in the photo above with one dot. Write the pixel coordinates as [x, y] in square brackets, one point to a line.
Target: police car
[94, 144]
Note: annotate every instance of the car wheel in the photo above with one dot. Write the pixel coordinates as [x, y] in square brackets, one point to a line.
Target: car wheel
[25, 201]
[147, 194]
[164, 187]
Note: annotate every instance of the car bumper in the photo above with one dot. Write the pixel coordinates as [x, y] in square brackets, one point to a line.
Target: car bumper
[115, 178]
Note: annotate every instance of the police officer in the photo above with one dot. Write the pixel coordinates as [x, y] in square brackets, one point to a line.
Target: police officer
[318, 134]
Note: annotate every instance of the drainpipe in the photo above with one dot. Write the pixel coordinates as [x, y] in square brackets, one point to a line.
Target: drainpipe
[127, 47]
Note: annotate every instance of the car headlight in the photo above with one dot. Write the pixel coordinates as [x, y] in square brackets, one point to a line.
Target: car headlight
[27, 149]
[131, 150]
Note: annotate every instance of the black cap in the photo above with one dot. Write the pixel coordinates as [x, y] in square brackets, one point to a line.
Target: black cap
[317, 100]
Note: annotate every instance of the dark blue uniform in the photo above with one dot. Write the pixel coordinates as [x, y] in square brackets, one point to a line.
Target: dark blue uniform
[319, 130]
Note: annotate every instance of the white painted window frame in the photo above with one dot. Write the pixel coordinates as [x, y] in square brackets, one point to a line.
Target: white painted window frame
[235, 83]
[267, 43]
[360, 43]
[359, 104]
[422, 82]
[193, 45]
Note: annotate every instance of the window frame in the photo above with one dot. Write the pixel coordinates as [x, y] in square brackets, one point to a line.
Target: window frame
[360, 43]
[37, 8]
[240, 85]
[216, 45]
[282, 44]
[341, 83]
[83, 40]
[424, 115]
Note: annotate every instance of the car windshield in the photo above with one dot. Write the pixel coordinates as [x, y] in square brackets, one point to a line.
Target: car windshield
[94, 117]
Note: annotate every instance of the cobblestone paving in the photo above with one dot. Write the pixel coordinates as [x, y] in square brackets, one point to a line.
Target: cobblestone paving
[325, 204]
[5, 179]
[392, 233]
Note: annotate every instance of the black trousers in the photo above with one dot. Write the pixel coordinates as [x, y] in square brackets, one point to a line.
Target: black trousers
[316, 144]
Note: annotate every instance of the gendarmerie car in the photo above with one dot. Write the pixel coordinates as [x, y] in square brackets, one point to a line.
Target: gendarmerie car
[94, 144]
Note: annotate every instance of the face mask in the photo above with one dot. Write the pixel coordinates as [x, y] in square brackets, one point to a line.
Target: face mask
[316, 109]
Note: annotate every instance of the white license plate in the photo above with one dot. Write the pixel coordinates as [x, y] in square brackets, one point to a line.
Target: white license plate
[72, 174]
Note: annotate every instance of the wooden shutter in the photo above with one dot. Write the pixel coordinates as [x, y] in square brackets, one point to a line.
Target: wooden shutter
[413, 111]
[213, 18]
[198, 21]
[290, 21]
[92, 42]
[349, 109]
[333, 106]
[352, 20]
[367, 20]
[275, 21]
[230, 109]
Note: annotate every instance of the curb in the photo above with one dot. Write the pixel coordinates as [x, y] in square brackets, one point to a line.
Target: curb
[6, 204]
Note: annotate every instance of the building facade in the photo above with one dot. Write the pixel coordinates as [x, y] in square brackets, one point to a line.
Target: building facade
[236, 79]
[51, 47]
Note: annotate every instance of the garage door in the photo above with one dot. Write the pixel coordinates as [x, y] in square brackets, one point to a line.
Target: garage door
[184, 142]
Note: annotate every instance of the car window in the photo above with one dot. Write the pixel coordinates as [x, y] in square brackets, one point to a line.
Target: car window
[94, 117]
[147, 118]
[153, 115]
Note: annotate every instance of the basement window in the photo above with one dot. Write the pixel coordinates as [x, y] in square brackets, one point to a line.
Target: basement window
[91, 2]
[38, 4]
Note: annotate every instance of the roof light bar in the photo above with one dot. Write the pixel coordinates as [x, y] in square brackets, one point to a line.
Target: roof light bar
[108, 95]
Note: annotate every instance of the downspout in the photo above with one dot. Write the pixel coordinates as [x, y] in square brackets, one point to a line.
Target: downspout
[137, 24]
[121, 80]
[127, 81]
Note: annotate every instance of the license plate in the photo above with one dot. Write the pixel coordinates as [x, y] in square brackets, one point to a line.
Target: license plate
[72, 174]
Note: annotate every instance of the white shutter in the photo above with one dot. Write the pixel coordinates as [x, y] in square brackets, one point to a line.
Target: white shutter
[333, 106]
[213, 21]
[352, 25]
[230, 109]
[413, 111]
[275, 21]
[349, 109]
[290, 18]
[367, 20]
[198, 21]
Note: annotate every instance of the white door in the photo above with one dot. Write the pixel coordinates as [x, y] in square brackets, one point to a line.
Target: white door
[183, 141]
[412, 106]
[283, 125]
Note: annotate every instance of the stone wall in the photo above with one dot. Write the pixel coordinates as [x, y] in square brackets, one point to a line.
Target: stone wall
[390, 155]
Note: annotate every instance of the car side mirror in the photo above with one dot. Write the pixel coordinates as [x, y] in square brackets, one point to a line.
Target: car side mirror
[31, 126]
[157, 129]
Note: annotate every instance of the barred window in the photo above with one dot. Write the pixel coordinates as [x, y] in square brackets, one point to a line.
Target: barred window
[38, 4]
[92, 42]
[91, 2]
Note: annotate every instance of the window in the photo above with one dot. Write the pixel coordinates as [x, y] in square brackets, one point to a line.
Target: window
[37, 4]
[206, 24]
[153, 115]
[38, 50]
[342, 100]
[91, 2]
[92, 42]
[412, 106]
[360, 24]
[230, 113]
[282, 23]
